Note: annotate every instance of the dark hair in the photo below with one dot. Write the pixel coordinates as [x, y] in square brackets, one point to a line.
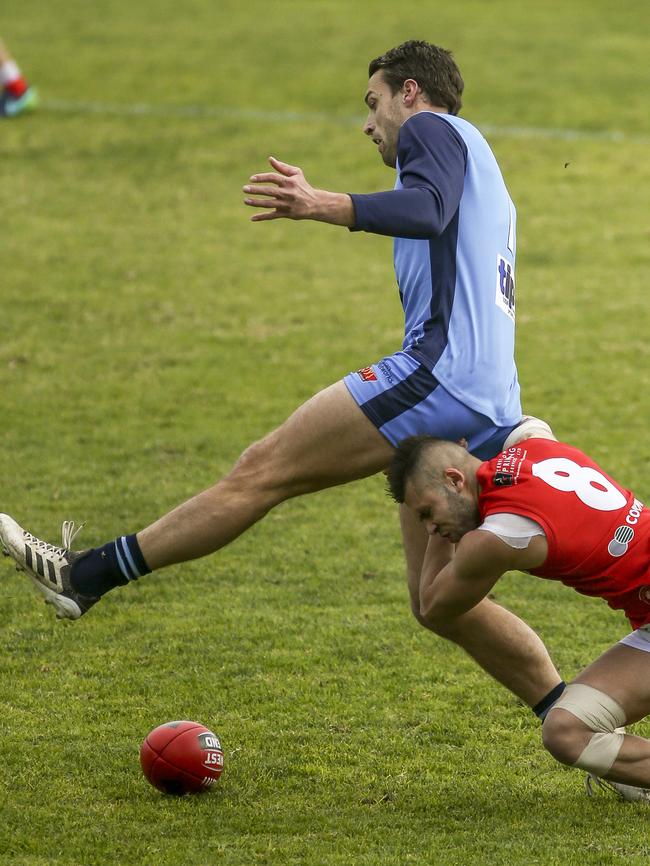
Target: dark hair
[433, 68]
[405, 464]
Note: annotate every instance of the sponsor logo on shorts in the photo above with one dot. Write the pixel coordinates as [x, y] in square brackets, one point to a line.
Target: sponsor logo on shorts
[621, 541]
[367, 374]
[386, 371]
[505, 290]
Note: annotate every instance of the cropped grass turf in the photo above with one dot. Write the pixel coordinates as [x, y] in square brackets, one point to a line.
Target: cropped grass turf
[150, 332]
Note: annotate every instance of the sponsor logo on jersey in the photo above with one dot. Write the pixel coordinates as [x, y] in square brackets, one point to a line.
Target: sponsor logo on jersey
[508, 467]
[367, 374]
[621, 541]
[505, 289]
[634, 513]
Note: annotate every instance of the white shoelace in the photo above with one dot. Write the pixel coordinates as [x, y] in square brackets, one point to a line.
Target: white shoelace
[68, 535]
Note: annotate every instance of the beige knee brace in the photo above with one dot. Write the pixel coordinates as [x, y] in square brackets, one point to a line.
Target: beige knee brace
[604, 716]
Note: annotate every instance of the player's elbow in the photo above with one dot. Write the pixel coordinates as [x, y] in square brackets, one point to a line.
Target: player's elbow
[434, 617]
[427, 621]
[440, 614]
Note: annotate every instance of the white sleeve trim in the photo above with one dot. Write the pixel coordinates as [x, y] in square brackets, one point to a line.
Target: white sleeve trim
[515, 530]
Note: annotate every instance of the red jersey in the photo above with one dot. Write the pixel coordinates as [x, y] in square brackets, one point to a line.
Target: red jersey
[598, 533]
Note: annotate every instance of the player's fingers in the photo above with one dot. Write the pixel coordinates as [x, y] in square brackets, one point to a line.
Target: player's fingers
[284, 167]
[267, 177]
[272, 215]
[260, 202]
[262, 190]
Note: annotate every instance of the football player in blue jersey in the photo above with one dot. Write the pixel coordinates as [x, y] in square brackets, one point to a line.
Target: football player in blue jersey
[454, 376]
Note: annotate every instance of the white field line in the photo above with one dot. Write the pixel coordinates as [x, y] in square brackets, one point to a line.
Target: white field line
[261, 116]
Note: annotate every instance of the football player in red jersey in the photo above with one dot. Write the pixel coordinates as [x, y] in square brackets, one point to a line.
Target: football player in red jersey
[545, 507]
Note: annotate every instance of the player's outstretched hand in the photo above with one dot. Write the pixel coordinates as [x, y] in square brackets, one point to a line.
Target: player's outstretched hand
[287, 194]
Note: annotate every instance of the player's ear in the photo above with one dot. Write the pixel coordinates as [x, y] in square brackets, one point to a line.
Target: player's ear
[410, 90]
[455, 478]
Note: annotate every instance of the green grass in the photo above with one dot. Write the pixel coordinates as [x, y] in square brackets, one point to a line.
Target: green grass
[150, 332]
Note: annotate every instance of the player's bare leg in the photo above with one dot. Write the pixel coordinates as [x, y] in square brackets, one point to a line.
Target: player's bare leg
[619, 682]
[326, 441]
[501, 643]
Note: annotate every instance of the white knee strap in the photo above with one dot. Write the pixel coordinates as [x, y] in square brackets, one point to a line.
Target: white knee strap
[529, 428]
[604, 716]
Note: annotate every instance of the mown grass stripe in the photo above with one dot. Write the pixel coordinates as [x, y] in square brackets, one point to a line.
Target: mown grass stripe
[143, 109]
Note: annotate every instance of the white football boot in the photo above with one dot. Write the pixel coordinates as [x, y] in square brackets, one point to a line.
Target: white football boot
[47, 565]
[626, 792]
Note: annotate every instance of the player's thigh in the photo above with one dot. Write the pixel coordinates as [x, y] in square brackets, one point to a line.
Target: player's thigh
[623, 673]
[326, 441]
[415, 539]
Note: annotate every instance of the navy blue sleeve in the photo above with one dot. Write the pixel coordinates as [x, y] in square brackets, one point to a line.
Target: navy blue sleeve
[432, 157]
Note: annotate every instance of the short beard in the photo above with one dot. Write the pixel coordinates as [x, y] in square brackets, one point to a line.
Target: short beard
[465, 513]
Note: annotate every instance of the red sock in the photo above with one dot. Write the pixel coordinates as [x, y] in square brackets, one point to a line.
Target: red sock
[17, 87]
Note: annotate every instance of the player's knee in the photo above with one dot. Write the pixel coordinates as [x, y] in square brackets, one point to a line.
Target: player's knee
[585, 729]
[564, 737]
[256, 472]
[248, 461]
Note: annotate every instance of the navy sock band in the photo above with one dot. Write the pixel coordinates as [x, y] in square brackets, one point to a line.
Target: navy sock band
[106, 567]
[129, 557]
[542, 708]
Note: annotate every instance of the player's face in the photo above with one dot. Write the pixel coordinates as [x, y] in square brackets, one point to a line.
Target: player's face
[449, 511]
[386, 113]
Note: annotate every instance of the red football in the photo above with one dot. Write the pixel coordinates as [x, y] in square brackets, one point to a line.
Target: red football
[181, 757]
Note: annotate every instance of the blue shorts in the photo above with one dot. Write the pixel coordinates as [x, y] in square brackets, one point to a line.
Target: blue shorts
[403, 398]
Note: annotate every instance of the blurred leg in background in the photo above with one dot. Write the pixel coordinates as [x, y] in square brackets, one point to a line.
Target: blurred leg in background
[17, 96]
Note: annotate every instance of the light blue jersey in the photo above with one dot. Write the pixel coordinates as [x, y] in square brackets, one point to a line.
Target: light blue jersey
[454, 253]
[459, 301]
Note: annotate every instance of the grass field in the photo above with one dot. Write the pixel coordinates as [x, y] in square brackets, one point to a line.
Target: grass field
[150, 332]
